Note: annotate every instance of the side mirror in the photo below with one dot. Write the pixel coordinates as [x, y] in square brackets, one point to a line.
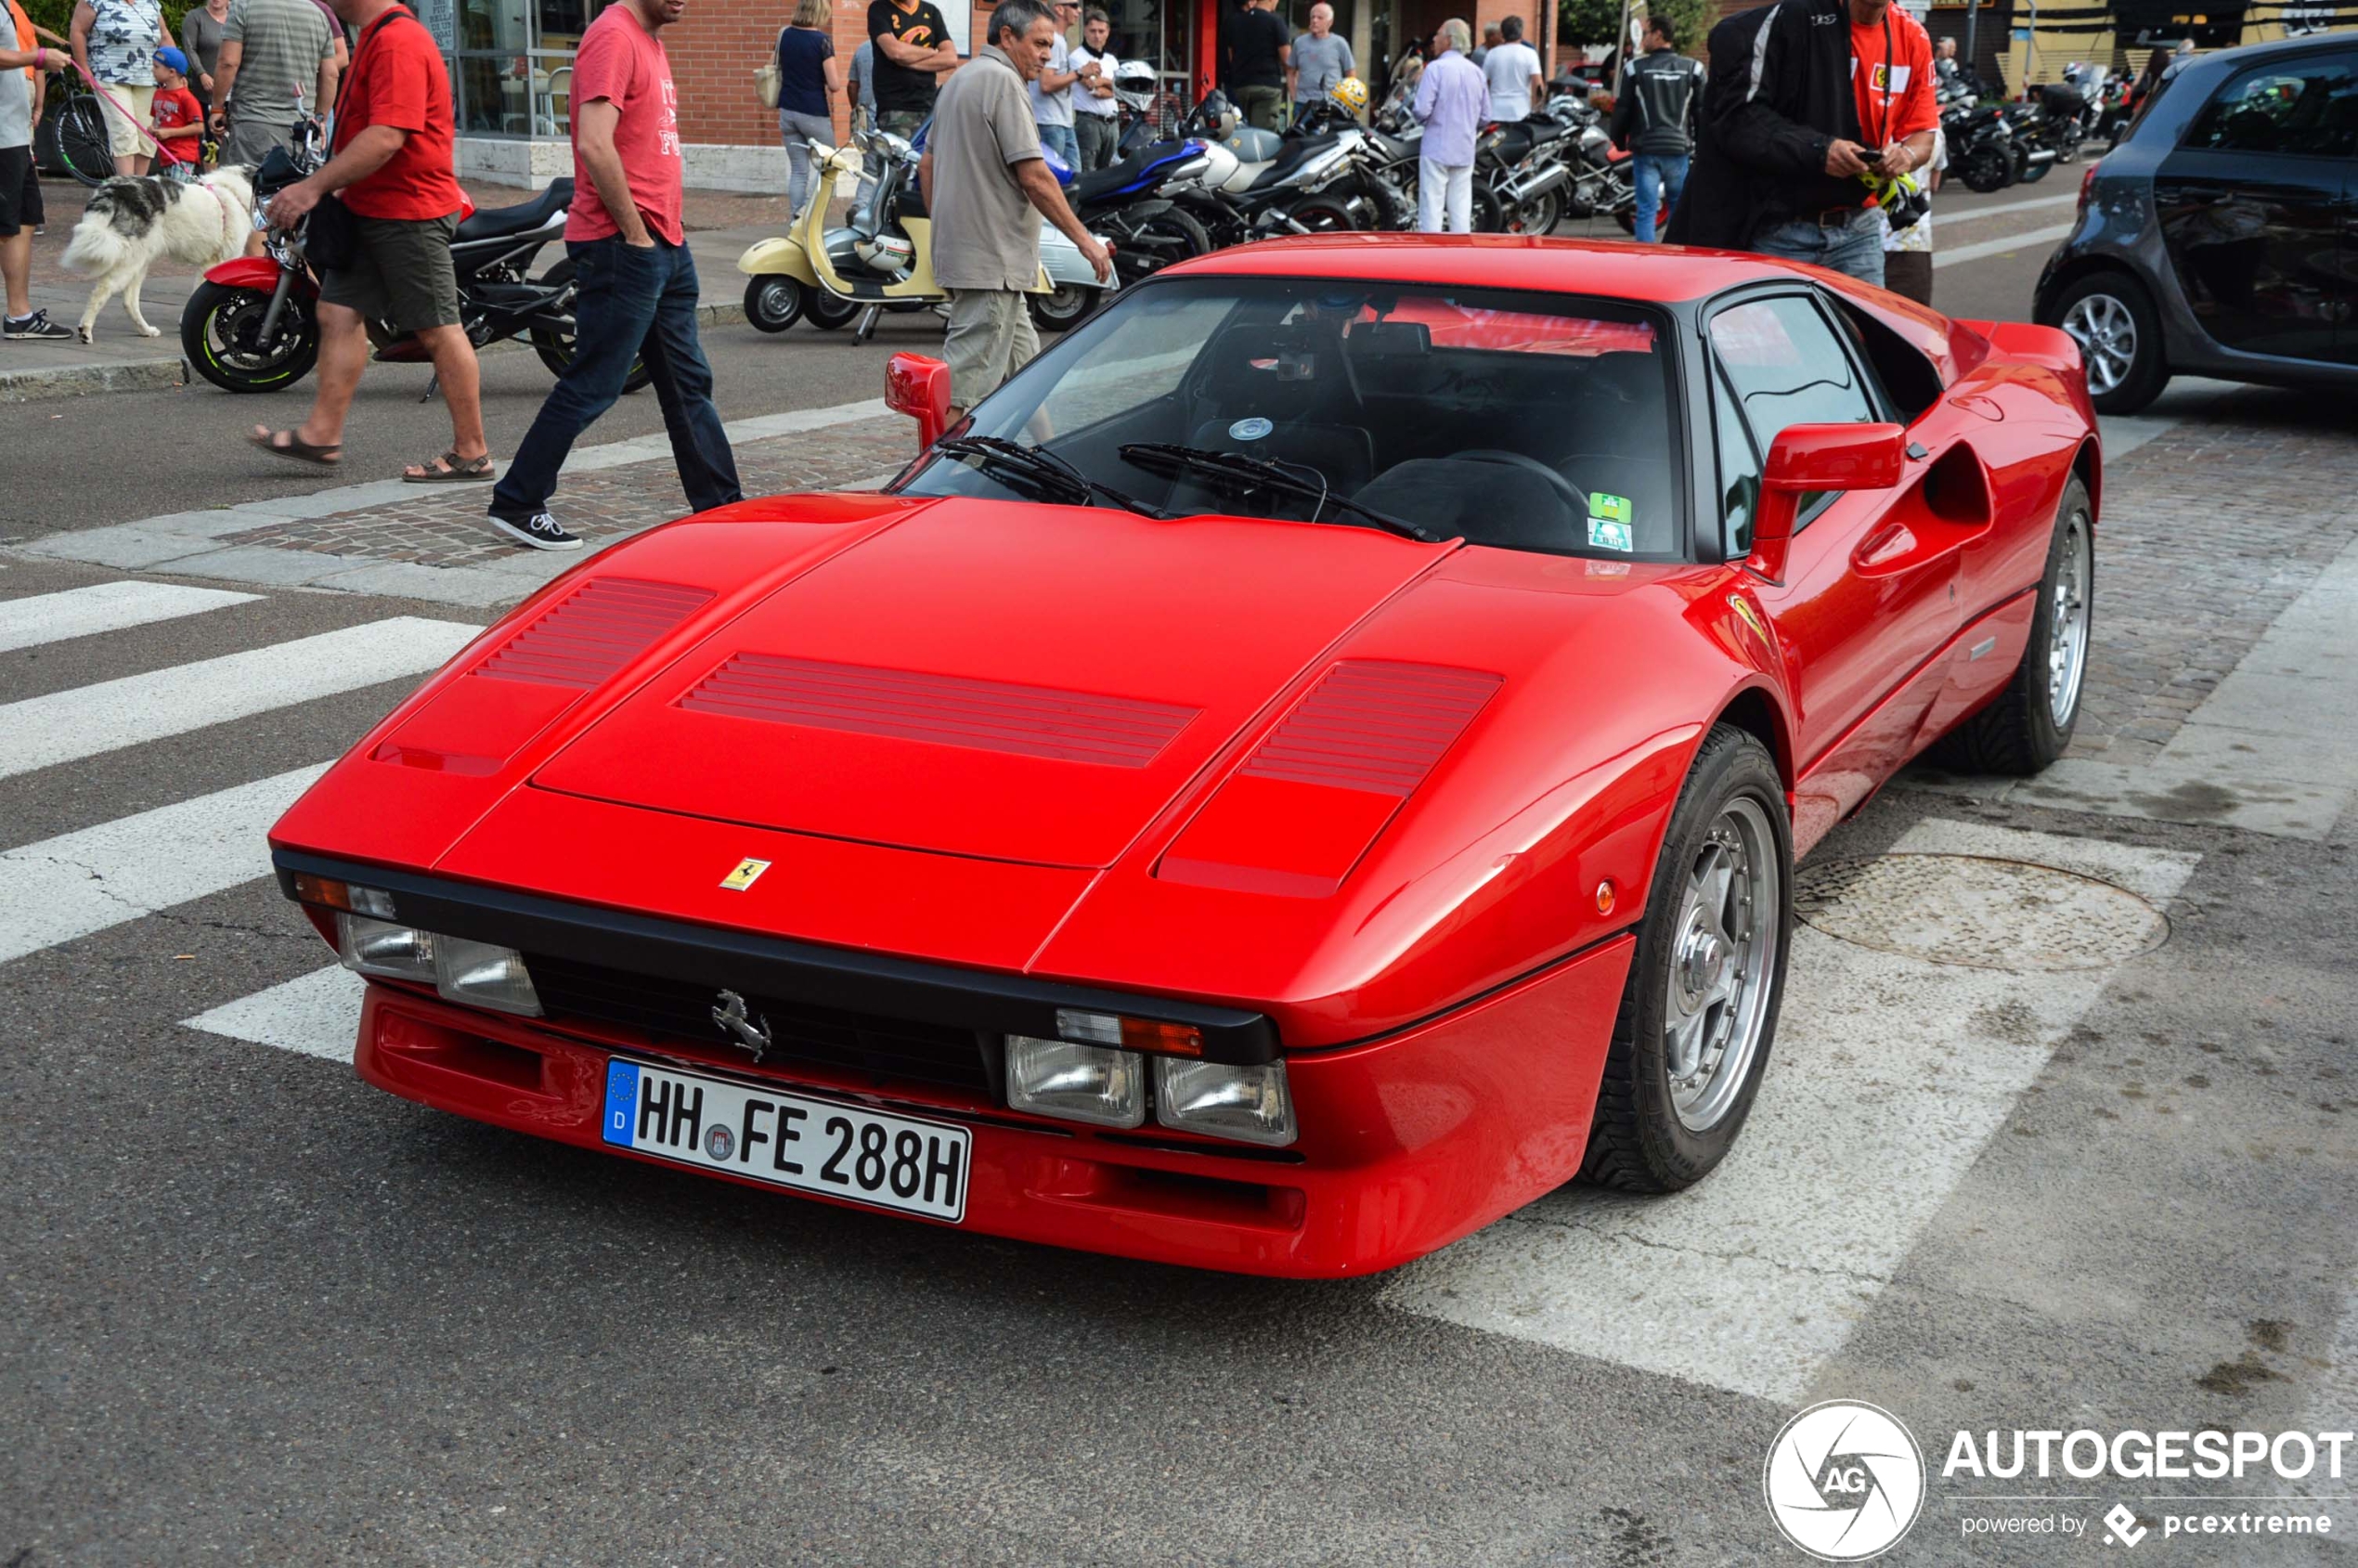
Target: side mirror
[1806, 458]
[918, 385]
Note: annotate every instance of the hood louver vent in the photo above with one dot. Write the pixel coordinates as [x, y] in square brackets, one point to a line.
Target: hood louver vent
[944, 709]
[1372, 725]
[593, 632]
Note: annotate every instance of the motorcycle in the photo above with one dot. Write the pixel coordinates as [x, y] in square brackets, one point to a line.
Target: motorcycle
[1134, 204]
[1603, 177]
[883, 258]
[1980, 141]
[253, 324]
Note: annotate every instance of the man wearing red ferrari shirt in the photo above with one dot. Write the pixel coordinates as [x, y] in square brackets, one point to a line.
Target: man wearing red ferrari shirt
[391, 170]
[637, 297]
[1807, 101]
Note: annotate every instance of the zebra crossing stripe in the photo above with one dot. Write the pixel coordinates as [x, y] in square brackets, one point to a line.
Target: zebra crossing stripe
[66, 726]
[84, 612]
[1889, 1075]
[66, 887]
[316, 1015]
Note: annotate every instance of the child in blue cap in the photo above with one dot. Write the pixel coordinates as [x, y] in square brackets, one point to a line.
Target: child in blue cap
[179, 119]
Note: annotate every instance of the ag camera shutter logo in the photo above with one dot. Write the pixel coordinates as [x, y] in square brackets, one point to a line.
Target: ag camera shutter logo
[1843, 1481]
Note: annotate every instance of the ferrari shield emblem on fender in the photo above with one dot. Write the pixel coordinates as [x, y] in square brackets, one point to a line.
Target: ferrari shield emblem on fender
[748, 872]
[745, 1033]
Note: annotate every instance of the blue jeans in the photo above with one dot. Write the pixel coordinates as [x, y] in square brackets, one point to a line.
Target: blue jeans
[1855, 249]
[1658, 175]
[630, 303]
[1067, 143]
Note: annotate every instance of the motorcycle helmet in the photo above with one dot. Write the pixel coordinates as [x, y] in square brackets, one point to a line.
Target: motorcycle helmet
[1350, 94]
[1133, 76]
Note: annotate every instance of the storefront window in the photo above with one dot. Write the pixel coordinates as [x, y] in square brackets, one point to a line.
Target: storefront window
[511, 62]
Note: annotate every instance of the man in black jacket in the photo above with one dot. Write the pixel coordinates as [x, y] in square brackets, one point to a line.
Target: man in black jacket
[1780, 166]
[1654, 118]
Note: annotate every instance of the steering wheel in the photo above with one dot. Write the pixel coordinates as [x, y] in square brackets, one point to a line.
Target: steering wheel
[1575, 497]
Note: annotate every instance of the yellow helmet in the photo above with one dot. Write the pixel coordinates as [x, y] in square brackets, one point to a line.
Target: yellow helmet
[1351, 93]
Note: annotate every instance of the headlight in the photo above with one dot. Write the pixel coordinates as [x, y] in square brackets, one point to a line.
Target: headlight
[1093, 1084]
[484, 975]
[1246, 1103]
[379, 947]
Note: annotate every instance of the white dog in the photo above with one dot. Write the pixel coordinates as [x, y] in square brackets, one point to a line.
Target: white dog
[131, 223]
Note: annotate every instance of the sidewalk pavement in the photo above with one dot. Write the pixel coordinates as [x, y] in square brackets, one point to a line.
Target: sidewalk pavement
[720, 224]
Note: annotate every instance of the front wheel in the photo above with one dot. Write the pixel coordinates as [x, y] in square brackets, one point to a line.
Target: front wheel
[221, 335]
[773, 303]
[1699, 1010]
[2030, 724]
[84, 146]
[555, 347]
[2119, 337]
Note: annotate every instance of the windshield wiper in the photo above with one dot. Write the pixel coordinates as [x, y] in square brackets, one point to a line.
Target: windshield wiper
[1151, 455]
[1041, 465]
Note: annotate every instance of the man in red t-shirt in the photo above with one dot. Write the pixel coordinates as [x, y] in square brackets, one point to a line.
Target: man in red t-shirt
[392, 168]
[637, 294]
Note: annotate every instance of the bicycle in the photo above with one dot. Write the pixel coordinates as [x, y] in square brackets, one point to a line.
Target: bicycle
[71, 138]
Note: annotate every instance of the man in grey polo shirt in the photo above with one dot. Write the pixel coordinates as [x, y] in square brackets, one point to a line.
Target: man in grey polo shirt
[983, 179]
[271, 50]
[1320, 59]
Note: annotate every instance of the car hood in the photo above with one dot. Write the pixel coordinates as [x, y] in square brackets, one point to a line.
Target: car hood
[1027, 685]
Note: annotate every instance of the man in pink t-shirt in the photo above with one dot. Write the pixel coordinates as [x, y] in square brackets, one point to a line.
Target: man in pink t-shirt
[635, 282]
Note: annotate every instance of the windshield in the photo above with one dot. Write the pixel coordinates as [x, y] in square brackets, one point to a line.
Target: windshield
[1529, 421]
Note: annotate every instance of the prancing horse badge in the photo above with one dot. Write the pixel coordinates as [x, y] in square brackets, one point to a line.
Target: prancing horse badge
[748, 872]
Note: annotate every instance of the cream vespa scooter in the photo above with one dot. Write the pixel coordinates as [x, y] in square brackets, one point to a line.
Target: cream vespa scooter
[882, 257]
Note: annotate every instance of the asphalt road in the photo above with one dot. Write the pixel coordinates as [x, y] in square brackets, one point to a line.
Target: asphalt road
[254, 1311]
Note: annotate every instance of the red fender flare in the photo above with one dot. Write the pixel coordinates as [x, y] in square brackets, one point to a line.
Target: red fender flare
[259, 273]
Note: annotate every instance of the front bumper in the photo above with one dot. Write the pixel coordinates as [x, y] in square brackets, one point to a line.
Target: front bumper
[1407, 1143]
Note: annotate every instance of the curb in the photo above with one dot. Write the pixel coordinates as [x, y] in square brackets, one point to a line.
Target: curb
[79, 381]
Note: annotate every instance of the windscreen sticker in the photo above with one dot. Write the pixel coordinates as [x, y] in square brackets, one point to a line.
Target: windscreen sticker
[1609, 523]
[1250, 429]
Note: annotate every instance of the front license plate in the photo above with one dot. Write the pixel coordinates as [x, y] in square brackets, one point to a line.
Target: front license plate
[812, 1145]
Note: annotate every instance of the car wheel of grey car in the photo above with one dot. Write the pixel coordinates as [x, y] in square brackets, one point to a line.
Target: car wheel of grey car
[2030, 722]
[1699, 1009]
[2108, 314]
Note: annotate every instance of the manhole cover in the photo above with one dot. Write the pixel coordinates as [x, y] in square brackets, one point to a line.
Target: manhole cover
[1973, 910]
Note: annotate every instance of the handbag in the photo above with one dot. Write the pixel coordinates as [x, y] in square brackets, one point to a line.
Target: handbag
[331, 238]
[767, 79]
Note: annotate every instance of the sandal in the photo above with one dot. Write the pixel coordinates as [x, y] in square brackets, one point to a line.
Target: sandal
[451, 469]
[297, 449]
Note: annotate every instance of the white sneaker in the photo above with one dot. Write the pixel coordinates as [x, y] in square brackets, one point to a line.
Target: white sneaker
[541, 531]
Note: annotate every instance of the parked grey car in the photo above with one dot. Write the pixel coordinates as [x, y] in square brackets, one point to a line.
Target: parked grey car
[2220, 236]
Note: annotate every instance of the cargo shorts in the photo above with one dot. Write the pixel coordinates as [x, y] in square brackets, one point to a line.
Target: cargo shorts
[400, 273]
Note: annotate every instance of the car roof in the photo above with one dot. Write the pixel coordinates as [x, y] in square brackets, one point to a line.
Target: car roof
[1652, 274]
[1599, 268]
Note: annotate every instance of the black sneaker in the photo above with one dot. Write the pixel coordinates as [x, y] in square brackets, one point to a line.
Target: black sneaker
[541, 531]
[36, 325]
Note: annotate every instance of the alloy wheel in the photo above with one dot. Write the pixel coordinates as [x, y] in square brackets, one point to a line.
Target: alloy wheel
[2106, 333]
[1723, 952]
[2068, 622]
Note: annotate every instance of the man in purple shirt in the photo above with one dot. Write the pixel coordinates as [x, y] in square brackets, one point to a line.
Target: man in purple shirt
[1453, 103]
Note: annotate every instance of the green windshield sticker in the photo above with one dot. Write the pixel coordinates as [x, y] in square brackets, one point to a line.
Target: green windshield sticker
[1606, 534]
[1612, 508]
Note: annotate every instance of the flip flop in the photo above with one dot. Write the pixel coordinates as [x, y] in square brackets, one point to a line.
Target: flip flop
[455, 470]
[297, 449]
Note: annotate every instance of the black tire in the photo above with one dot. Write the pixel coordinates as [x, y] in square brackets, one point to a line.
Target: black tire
[83, 148]
[773, 303]
[1627, 218]
[1062, 309]
[2081, 310]
[2018, 734]
[1988, 167]
[220, 329]
[827, 312]
[1158, 241]
[1488, 217]
[1637, 1141]
[2026, 172]
[555, 348]
[1323, 214]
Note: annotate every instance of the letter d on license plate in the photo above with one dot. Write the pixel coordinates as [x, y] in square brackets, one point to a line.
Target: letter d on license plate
[812, 1145]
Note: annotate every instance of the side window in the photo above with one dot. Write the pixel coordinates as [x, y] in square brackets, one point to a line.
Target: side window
[1739, 472]
[2305, 107]
[1787, 366]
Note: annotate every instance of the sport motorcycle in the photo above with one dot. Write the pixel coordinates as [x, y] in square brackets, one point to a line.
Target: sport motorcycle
[253, 324]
